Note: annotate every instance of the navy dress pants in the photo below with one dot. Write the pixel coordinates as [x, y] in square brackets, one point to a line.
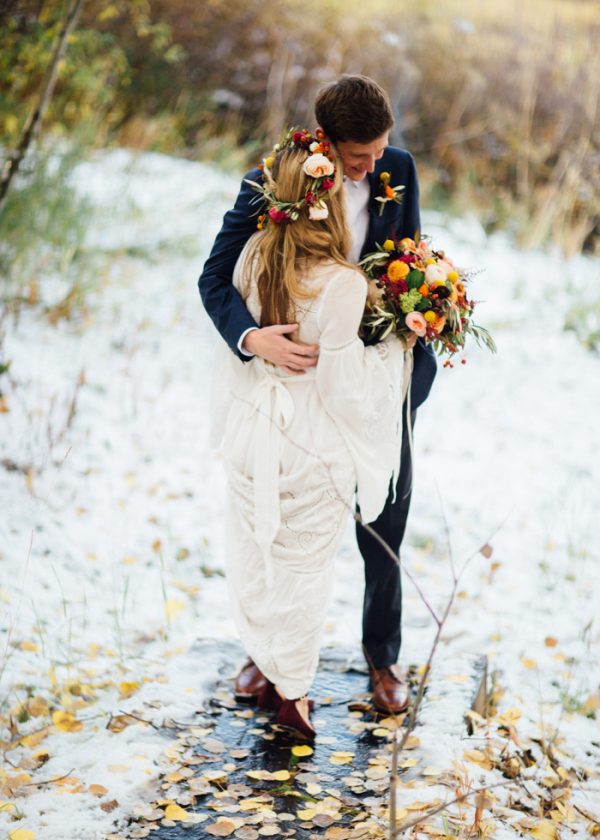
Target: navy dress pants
[382, 607]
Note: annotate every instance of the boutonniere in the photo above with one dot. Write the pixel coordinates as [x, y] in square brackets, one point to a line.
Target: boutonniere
[388, 193]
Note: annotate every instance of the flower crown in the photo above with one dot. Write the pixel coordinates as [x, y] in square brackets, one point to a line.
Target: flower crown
[318, 166]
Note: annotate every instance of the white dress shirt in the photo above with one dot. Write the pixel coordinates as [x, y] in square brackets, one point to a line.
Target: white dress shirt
[357, 194]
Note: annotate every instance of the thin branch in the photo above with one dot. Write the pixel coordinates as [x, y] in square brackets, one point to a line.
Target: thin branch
[137, 717]
[446, 805]
[34, 120]
[49, 781]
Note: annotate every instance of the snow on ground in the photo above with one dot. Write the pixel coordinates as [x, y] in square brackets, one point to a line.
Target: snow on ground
[111, 528]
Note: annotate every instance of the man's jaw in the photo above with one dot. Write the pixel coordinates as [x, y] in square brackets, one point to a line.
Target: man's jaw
[356, 174]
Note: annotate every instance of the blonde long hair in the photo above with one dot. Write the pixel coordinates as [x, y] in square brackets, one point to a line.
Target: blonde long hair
[282, 250]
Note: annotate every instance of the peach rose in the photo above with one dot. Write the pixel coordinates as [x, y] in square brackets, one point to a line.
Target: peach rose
[318, 211]
[317, 166]
[416, 322]
[440, 324]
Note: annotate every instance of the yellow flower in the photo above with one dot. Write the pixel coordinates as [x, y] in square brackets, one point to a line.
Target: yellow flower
[269, 161]
[397, 270]
[430, 316]
[385, 177]
[407, 243]
[430, 261]
[388, 245]
[453, 276]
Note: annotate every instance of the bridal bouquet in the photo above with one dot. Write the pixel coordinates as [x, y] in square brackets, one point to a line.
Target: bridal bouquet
[414, 289]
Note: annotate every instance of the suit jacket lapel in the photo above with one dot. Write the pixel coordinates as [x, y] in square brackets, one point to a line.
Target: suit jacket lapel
[373, 209]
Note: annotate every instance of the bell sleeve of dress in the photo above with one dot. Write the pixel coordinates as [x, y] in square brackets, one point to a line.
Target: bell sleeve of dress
[361, 388]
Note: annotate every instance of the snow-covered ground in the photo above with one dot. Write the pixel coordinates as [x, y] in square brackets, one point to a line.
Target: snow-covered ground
[111, 526]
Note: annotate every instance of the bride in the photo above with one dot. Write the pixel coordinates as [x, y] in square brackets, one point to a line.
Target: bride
[296, 448]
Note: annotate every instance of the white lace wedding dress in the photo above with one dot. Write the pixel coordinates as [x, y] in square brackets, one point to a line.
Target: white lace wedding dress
[295, 450]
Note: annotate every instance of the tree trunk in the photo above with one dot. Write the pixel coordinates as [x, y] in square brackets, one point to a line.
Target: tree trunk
[32, 125]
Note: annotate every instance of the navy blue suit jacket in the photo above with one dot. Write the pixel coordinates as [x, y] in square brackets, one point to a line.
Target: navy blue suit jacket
[227, 309]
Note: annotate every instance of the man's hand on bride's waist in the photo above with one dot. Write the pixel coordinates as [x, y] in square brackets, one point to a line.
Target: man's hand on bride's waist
[272, 344]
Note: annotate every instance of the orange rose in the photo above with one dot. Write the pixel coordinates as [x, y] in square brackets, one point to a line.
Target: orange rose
[424, 290]
[397, 270]
[390, 192]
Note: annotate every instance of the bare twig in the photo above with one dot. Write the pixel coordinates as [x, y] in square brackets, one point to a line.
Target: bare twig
[137, 717]
[34, 120]
[445, 805]
[49, 781]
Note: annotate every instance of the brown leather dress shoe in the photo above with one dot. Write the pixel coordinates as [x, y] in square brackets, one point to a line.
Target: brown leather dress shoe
[249, 682]
[390, 692]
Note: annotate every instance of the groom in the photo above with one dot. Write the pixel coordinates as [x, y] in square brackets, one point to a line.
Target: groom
[355, 114]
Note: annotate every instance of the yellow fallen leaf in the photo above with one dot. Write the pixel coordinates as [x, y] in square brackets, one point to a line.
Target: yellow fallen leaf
[126, 689]
[37, 706]
[423, 805]
[593, 702]
[376, 773]
[545, 830]
[260, 775]
[302, 750]
[254, 803]
[280, 775]
[98, 790]
[34, 739]
[173, 607]
[269, 830]
[432, 771]
[391, 723]
[223, 827]
[176, 812]
[65, 781]
[214, 775]
[175, 776]
[509, 717]
[408, 762]
[26, 645]
[313, 789]
[340, 757]
[382, 733]
[306, 814]
[412, 742]
[66, 722]
[478, 757]
[21, 834]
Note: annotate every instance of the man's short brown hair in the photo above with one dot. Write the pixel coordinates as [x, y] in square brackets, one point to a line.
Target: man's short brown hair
[353, 108]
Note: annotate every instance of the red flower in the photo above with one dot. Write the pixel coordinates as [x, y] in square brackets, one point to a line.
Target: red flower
[310, 198]
[408, 258]
[277, 215]
[327, 184]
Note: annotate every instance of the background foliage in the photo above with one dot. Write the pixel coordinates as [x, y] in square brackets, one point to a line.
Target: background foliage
[497, 100]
